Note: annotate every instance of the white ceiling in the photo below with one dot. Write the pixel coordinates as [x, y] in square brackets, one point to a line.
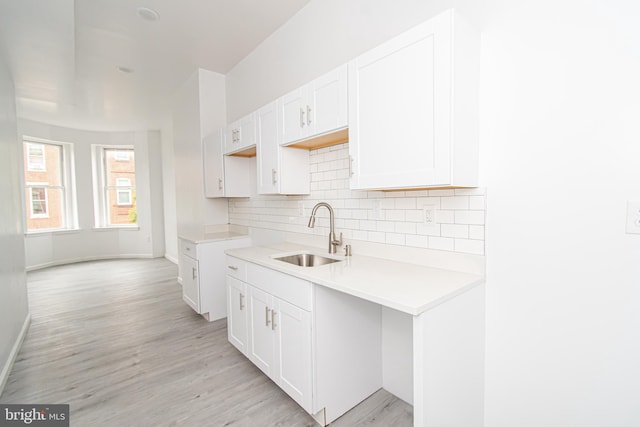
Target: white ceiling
[64, 54]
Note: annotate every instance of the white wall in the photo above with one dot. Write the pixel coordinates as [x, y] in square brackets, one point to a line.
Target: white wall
[169, 194]
[87, 243]
[560, 101]
[199, 109]
[14, 309]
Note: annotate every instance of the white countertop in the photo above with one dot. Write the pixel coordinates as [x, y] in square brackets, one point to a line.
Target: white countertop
[211, 237]
[409, 288]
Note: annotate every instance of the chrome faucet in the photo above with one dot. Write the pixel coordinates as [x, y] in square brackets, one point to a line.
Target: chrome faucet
[332, 233]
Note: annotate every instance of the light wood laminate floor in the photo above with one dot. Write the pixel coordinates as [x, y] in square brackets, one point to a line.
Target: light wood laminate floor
[115, 341]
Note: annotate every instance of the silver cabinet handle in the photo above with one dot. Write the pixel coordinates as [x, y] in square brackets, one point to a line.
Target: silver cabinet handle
[273, 320]
[350, 165]
[266, 316]
[308, 115]
[241, 304]
[232, 267]
[274, 179]
[301, 117]
[233, 136]
[219, 183]
[239, 134]
[194, 273]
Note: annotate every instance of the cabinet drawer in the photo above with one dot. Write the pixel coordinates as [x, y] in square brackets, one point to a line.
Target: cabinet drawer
[288, 288]
[237, 268]
[188, 248]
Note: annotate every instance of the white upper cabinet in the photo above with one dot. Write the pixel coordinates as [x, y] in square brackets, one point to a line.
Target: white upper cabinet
[240, 134]
[224, 176]
[281, 170]
[317, 108]
[413, 107]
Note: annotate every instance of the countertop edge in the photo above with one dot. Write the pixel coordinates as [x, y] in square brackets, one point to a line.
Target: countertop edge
[267, 262]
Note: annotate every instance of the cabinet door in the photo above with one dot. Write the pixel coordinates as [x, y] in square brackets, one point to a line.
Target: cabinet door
[292, 115]
[261, 342]
[190, 282]
[327, 109]
[213, 164]
[240, 134]
[237, 313]
[292, 327]
[267, 149]
[399, 110]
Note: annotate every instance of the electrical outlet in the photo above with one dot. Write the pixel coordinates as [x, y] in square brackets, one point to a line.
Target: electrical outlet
[633, 217]
[429, 214]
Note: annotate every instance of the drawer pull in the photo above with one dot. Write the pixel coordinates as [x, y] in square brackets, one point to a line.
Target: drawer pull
[232, 267]
[266, 316]
[241, 304]
[194, 273]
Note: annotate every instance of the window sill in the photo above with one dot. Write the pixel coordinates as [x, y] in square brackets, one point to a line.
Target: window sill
[117, 227]
[36, 233]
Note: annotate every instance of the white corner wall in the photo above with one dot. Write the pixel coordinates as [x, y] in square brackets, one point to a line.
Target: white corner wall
[560, 101]
[14, 308]
[199, 109]
[88, 242]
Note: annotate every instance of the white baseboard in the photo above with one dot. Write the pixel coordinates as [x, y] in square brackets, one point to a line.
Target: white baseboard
[6, 369]
[171, 258]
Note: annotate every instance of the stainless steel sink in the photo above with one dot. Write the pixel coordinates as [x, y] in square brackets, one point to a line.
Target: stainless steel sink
[307, 260]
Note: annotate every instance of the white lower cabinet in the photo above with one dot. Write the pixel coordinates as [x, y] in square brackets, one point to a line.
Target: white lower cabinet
[318, 350]
[281, 344]
[237, 313]
[202, 275]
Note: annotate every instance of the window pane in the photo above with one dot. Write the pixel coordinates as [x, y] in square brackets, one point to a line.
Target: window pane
[43, 163]
[45, 208]
[44, 186]
[122, 207]
[120, 171]
[35, 157]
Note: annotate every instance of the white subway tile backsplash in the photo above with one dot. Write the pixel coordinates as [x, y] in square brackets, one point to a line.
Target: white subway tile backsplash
[392, 217]
[476, 202]
[376, 236]
[414, 216]
[455, 230]
[476, 232]
[469, 217]
[417, 241]
[454, 202]
[469, 246]
[386, 226]
[405, 227]
[441, 243]
[445, 217]
[406, 203]
[395, 239]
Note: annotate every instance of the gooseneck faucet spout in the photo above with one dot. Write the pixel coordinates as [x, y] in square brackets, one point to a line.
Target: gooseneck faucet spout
[333, 243]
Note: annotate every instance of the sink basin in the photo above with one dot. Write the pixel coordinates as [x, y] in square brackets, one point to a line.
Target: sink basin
[307, 260]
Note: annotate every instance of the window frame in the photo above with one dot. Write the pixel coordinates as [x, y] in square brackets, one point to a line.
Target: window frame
[67, 186]
[101, 188]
